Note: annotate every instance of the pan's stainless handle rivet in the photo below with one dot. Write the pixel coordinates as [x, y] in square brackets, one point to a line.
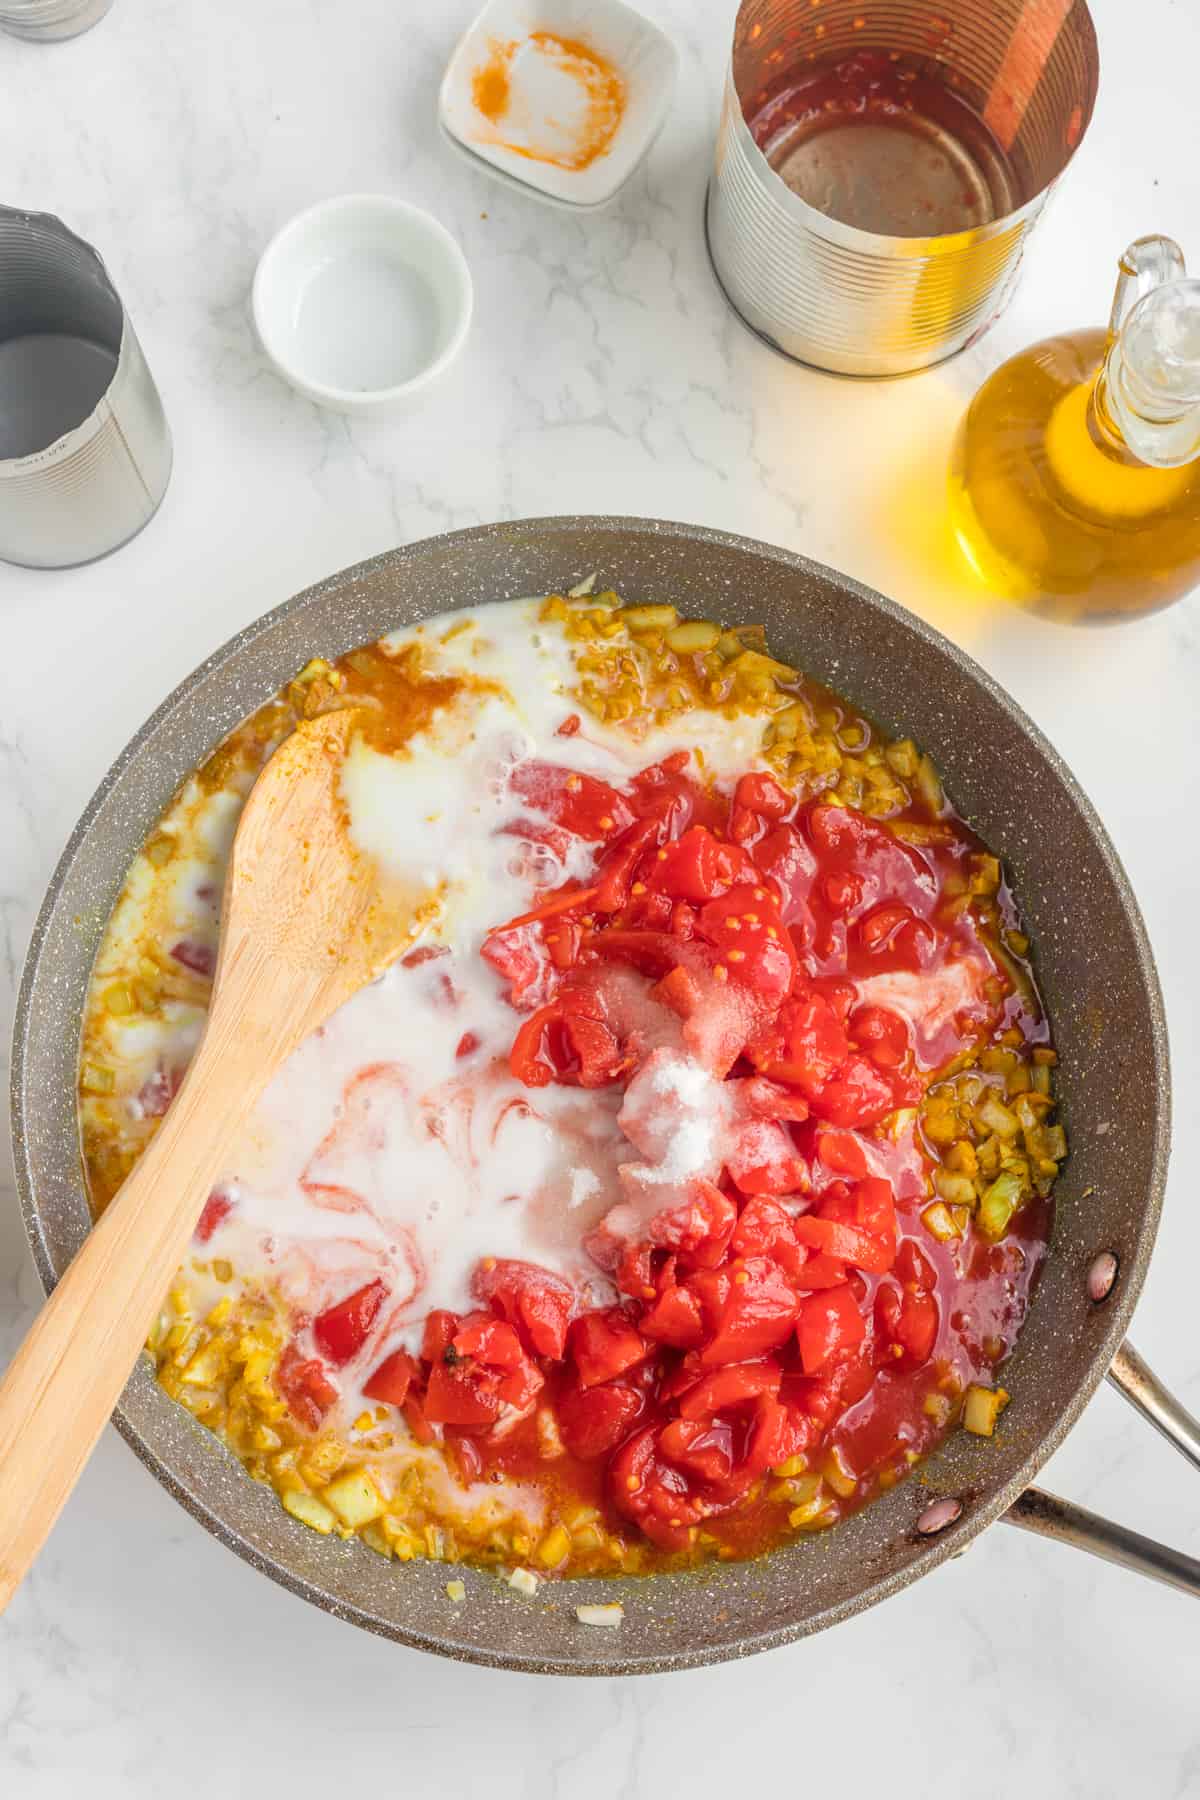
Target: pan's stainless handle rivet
[1102, 1276]
[935, 1518]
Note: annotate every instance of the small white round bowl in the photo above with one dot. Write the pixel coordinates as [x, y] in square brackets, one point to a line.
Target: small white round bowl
[361, 302]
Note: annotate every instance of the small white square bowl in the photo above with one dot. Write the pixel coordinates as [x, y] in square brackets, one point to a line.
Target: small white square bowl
[644, 56]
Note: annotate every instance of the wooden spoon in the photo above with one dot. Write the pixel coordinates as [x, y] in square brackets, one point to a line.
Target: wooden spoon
[307, 921]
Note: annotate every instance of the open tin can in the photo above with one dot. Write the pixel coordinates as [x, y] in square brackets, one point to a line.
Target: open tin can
[85, 452]
[879, 168]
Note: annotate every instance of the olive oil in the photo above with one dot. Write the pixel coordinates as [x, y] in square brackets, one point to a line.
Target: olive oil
[1076, 478]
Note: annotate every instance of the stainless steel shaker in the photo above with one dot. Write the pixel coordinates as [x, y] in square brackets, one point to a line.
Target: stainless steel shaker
[85, 452]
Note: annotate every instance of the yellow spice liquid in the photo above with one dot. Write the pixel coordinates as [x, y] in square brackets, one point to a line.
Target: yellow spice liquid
[1053, 518]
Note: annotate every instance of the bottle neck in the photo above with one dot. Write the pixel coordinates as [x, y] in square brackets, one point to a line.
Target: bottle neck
[1146, 400]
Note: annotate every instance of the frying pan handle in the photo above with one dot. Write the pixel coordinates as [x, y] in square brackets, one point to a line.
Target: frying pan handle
[1070, 1524]
[1142, 1388]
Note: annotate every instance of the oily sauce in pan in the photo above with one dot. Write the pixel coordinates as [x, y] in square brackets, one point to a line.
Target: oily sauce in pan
[734, 958]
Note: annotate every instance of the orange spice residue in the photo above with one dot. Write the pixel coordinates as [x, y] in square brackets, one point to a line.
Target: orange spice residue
[535, 134]
[490, 84]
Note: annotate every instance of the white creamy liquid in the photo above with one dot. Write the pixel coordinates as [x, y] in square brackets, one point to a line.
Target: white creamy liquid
[381, 1152]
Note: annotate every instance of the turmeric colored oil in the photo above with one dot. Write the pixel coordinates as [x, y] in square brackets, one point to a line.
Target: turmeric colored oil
[1051, 513]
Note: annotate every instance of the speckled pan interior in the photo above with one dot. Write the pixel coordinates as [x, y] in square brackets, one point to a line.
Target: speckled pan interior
[1096, 973]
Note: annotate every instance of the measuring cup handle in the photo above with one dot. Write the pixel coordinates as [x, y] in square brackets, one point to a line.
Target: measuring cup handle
[1051, 1517]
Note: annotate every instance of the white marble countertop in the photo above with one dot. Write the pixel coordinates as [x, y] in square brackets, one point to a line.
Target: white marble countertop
[603, 374]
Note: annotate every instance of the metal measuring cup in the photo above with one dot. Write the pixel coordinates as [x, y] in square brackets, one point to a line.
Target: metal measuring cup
[876, 239]
[85, 452]
[45, 20]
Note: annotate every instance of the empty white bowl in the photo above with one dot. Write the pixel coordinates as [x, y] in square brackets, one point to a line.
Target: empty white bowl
[361, 302]
[542, 101]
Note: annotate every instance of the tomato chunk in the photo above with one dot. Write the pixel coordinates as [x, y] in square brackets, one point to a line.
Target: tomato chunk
[757, 1315]
[829, 1323]
[217, 1209]
[605, 1344]
[456, 1396]
[393, 1378]
[304, 1386]
[581, 804]
[342, 1330]
[533, 1300]
[593, 1421]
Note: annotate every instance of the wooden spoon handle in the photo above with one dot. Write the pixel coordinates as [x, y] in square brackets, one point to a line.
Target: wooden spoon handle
[68, 1374]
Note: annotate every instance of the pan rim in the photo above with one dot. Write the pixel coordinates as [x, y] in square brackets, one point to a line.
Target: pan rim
[1118, 1310]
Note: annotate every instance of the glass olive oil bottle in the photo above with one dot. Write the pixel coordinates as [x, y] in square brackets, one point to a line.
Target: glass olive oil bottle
[1076, 478]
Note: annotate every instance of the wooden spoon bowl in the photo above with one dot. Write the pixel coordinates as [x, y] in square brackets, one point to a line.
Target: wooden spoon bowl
[307, 920]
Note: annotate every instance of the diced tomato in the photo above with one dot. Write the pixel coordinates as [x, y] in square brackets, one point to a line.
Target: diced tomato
[593, 1421]
[569, 726]
[840, 1385]
[342, 1330]
[871, 1246]
[418, 1424]
[778, 1433]
[217, 1208]
[729, 1387]
[519, 956]
[646, 1488]
[680, 991]
[906, 1320]
[913, 1266]
[457, 1396]
[536, 1302]
[490, 1341]
[699, 1229]
[821, 1271]
[875, 1210]
[564, 1042]
[614, 876]
[842, 890]
[856, 1096]
[393, 1378]
[765, 1229]
[758, 1313]
[829, 1323]
[704, 1448]
[882, 1035]
[788, 864]
[581, 804]
[745, 929]
[674, 1319]
[440, 1327]
[698, 866]
[303, 1385]
[804, 1047]
[842, 1152]
[518, 1386]
[605, 1344]
[467, 1045]
[765, 1099]
[683, 921]
[838, 829]
[762, 1159]
[763, 795]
